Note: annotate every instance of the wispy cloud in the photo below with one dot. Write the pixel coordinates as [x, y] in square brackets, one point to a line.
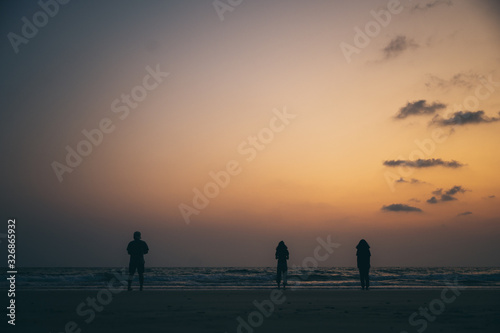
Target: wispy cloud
[419, 108]
[467, 80]
[463, 118]
[464, 214]
[400, 208]
[423, 163]
[432, 4]
[410, 181]
[439, 191]
[398, 45]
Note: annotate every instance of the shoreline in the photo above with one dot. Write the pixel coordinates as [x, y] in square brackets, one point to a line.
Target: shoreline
[224, 288]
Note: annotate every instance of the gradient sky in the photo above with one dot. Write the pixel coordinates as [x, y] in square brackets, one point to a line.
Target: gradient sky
[345, 166]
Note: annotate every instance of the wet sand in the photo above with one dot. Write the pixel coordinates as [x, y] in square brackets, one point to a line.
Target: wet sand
[96, 311]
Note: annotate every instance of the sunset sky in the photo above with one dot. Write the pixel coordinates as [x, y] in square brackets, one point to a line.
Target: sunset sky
[333, 123]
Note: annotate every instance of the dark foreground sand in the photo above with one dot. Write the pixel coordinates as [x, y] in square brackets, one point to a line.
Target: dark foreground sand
[217, 311]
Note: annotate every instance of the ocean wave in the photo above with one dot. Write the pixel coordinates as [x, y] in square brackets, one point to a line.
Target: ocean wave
[235, 277]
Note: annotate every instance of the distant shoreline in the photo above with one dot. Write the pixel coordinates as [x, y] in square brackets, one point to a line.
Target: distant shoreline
[258, 278]
[258, 289]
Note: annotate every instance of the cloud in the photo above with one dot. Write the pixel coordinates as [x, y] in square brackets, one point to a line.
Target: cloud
[463, 118]
[432, 200]
[448, 195]
[464, 214]
[398, 45]
[461, 80]
[401, 208]
[418, 108]
[411, 181]
[414, 199]
[455, 189]
[432, 4]
[439, 191]
[423, 163]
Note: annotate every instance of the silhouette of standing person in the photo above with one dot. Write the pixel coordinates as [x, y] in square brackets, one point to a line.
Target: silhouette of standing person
[363, 254]
[137, 249]
[282, 256]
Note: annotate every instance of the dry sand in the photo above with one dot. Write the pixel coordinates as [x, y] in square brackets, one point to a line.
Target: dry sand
[218, 310]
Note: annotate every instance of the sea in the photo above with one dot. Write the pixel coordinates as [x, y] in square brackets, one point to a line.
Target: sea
[162, 278]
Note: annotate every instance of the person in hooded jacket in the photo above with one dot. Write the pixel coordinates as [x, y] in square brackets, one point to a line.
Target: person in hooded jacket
[363, 254]
[282, 256]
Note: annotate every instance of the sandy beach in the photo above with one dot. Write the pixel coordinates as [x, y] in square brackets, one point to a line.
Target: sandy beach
[468, 310]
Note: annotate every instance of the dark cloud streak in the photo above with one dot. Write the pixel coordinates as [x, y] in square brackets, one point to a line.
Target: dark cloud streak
[419, 108]
[432, 4]
[463, 118]
[411, 181]
[424, 163]
[401, 208]
[464, 214]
